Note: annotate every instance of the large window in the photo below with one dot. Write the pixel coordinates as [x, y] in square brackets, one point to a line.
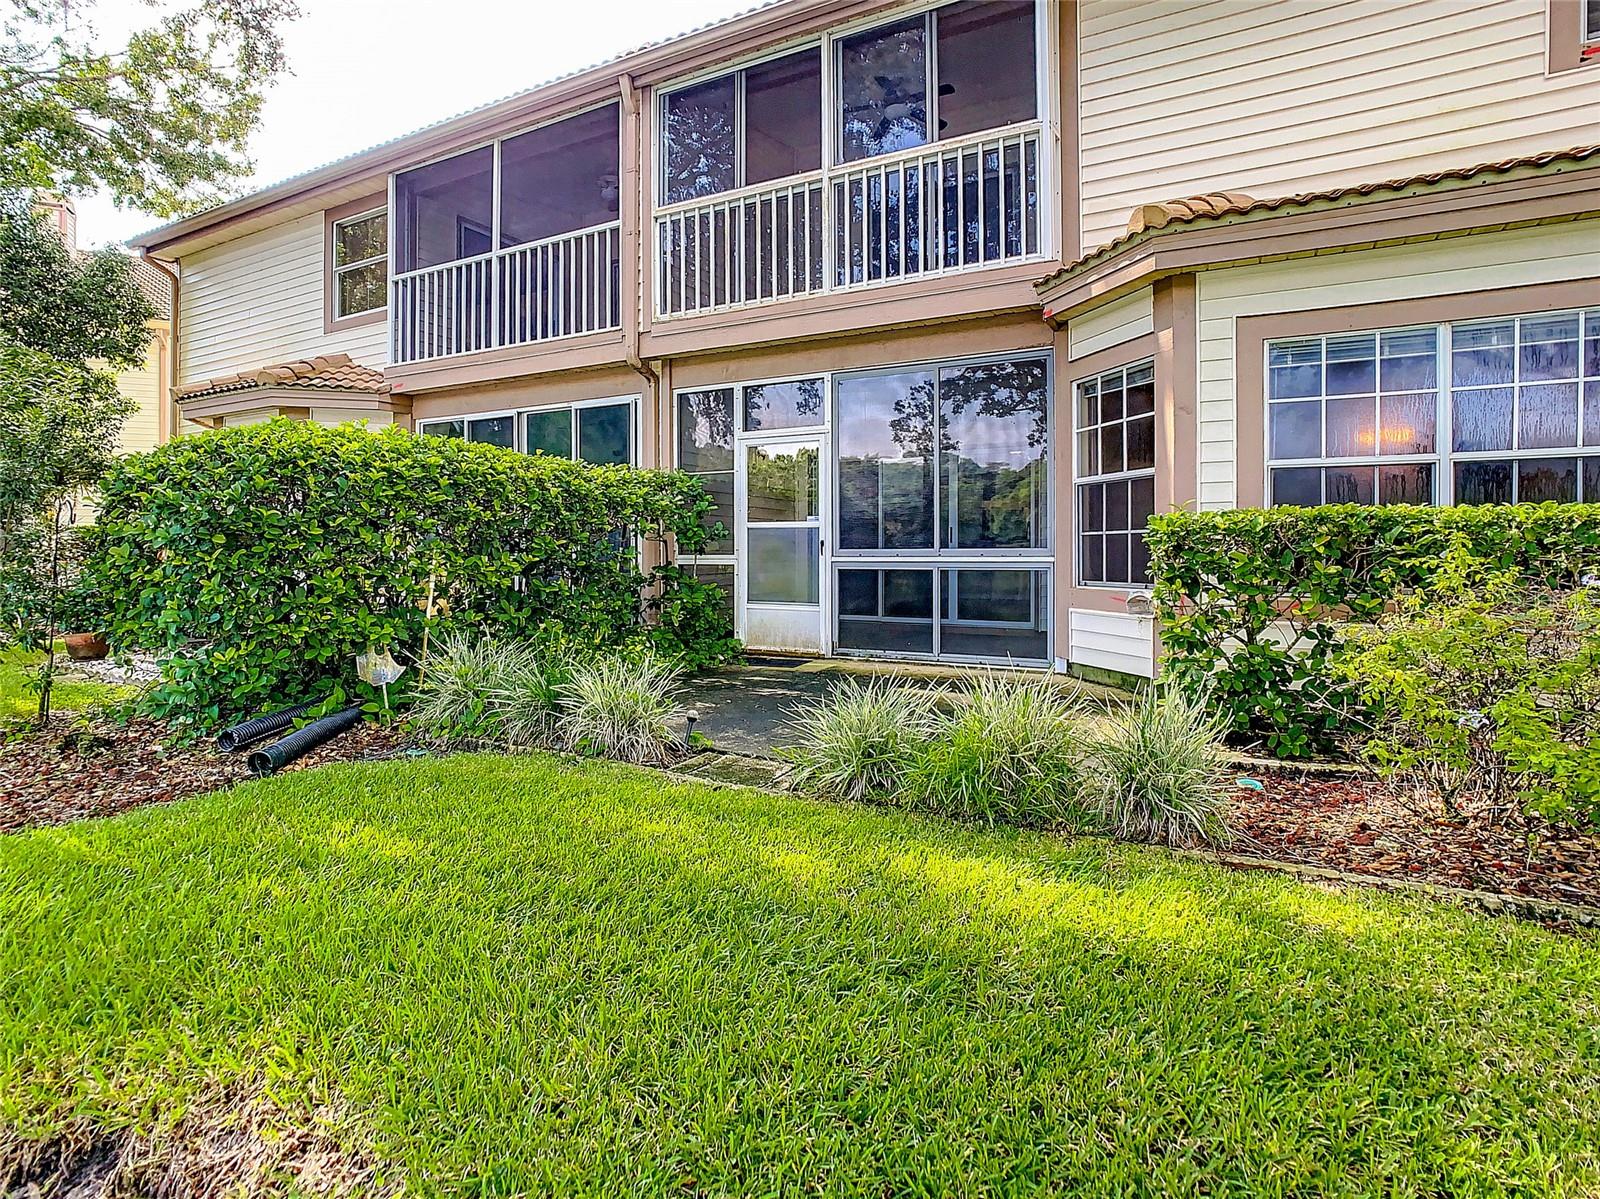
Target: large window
[947, 73]
[599, 432]
[952, 458]
[558, 178]
[1116, 449]
[943, 510]
[746, 127]
[360, 264]
[1492, 411]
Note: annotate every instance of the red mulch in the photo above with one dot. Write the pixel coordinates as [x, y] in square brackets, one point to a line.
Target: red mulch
[71, 773]
[1359, 824]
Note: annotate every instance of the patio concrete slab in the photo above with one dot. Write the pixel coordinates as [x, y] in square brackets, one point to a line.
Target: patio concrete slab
[743, 709]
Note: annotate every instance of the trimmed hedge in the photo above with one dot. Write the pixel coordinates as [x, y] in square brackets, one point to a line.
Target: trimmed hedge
[266, 557]
[1251, 601]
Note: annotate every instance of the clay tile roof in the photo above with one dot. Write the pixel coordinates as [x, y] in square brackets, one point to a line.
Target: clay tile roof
[326, 372]
[1148, 219]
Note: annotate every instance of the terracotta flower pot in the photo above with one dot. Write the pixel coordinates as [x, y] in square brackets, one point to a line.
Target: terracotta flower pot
[86, 647]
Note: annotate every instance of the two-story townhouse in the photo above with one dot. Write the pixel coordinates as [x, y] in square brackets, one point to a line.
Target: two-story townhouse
[942, 300]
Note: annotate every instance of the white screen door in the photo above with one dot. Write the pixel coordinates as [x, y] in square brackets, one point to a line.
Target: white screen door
[779, 495]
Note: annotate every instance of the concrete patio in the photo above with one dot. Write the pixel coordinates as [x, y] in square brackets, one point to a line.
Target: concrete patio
[743, 709]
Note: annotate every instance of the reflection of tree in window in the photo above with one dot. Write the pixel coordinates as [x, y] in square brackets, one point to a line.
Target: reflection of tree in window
[994, 431]
[700, 140]
[886, 461]
[783, 405]
[883, 90]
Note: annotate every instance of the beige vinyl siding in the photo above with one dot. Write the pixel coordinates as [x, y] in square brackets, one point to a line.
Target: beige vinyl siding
[1453, 266]
[1112, 324]
[1111, 641]
[1276, 97]
[258, 300]
[142, 385]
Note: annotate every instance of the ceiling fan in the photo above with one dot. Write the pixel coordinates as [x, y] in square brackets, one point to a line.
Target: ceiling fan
[894, 105]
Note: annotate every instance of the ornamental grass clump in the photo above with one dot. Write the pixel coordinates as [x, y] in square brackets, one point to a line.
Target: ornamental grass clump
[621, 707]
[861, 741]
[457, 703]
[1008, 753]
[1156, 771]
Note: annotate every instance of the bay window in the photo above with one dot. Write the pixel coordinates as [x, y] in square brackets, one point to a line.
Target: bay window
[1469, 412]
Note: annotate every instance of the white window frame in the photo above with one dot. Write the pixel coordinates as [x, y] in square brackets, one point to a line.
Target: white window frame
[1445, 457]
[519, 441]
[1079, 479]
[834, 560]
[338, 302]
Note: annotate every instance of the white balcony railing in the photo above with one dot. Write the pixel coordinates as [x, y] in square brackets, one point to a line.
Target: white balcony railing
[562, 286]
[953, 206]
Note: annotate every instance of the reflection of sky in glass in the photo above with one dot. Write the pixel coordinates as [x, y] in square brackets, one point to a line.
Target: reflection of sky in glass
[867, 406]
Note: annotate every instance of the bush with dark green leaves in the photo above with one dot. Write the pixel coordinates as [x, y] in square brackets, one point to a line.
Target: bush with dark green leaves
[262, 559]
[1254, 603]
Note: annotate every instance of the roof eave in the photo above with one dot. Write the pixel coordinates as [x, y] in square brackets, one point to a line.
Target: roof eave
[1565, 191]
[775, 22]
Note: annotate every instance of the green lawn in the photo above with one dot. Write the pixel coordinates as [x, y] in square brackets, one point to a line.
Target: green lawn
[18, 702]
[530, 977]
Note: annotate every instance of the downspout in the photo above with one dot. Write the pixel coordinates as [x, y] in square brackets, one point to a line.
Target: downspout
[632, 312]
[170, 418]
[632, 243]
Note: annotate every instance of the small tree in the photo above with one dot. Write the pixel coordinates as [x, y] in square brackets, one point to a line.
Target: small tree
[59, 413]
[160, 122]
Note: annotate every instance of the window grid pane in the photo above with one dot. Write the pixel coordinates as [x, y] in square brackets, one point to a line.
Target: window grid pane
[1114, 415]
[1523, 403]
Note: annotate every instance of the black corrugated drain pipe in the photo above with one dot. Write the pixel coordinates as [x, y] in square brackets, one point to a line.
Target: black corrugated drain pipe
[319, 732]
[241, 735]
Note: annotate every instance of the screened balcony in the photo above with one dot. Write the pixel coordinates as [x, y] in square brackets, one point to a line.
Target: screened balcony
[925, 160]
[509, 244]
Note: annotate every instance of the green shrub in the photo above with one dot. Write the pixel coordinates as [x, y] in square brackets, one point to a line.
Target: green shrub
[263, 558]
[1252, 602]
[622, 707]
[1156, 770]
[1008, 753]
[861, 741]
[1485, 690]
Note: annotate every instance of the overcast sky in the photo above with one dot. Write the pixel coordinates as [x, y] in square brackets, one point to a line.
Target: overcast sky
[365, 71]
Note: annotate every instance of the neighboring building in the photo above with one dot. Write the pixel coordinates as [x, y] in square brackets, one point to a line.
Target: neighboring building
[149, 385]
[869, 270]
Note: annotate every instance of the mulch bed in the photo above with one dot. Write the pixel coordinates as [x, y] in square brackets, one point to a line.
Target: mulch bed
[1352, 823]
[1359, 824]
[73, 772]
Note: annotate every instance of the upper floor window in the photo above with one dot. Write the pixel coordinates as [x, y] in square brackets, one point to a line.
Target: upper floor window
[750, 126]
[1472, 412]
[360, 264]
[1591, 22]
[557, 179]
[944, 74]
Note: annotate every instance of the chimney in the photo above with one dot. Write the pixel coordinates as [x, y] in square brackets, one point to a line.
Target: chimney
[62, 216]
